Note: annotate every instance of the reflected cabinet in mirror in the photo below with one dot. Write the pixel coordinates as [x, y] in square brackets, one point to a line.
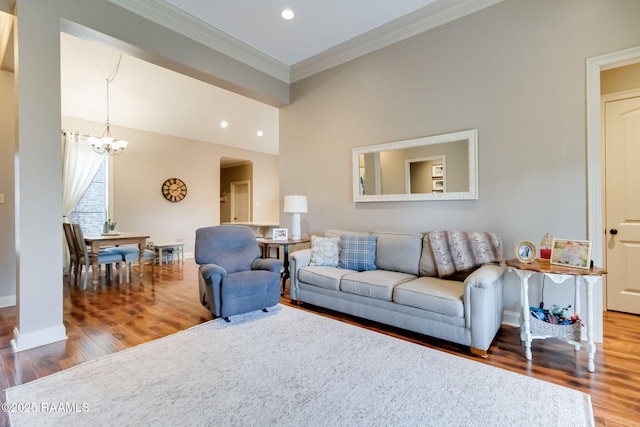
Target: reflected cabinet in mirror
[440, 167]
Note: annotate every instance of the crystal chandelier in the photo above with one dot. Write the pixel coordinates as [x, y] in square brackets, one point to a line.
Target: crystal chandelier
[106, 143]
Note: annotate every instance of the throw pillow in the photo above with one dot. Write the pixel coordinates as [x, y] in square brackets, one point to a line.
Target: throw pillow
[358, 252]
[324, 251]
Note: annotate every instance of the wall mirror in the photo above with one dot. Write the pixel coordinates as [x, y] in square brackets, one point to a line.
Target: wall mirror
[440, 167]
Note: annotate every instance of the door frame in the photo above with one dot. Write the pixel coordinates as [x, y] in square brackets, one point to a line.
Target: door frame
[595, 146]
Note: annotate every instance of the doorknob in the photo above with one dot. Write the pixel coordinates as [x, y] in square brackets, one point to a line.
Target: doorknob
[613, 231]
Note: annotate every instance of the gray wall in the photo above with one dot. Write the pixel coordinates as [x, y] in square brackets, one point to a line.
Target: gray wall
[515, 71]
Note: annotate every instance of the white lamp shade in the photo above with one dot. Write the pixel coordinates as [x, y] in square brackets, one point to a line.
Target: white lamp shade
[297, 204]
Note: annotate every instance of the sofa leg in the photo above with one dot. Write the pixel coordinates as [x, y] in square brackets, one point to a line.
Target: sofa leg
[265, 310]
[226, 319]
[478, 352]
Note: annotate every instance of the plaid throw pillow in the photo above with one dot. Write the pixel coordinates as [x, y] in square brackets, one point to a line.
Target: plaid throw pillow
[358, 252]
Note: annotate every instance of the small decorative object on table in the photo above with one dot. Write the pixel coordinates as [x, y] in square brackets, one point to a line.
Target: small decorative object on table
[526, 252]
[545, 247]
[280, 234]
[571, 253]
[109, 227]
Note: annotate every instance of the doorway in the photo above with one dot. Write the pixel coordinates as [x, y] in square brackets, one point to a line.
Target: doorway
[236, 190]
[595, 152]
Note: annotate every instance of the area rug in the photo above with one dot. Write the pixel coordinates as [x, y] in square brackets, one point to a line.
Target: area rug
[289, 367]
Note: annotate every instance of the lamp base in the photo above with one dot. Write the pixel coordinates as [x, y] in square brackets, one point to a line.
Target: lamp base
[295, 226]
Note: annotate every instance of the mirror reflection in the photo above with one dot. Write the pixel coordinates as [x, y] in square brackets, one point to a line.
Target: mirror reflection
[441, 167]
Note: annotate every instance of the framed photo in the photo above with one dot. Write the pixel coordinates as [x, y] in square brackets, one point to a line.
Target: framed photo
[526, 252]
[280, 234]
[437, 171]
[438, 185]
[571, 253]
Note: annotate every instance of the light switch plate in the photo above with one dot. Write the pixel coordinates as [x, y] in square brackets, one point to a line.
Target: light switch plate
[1, 197]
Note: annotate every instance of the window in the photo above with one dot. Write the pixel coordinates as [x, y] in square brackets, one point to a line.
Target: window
[90, 212]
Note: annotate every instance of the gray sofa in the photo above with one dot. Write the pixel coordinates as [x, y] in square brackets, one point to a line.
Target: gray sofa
[405, 291]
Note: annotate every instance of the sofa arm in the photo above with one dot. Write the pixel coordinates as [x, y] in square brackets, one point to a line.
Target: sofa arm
[297, 260]
[483, 304]
[208, 270]
[270, 264]
[485, 275]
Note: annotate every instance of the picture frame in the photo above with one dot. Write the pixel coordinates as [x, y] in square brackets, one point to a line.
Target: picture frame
[280, 234]
[526, 252]
[571, 253]
[437, 171]
[437, 185]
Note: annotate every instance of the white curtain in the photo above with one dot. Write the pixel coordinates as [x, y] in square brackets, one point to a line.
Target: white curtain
[79, 166]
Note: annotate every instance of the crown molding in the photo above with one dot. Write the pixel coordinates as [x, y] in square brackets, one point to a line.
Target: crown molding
[169, 16]
[431, 16]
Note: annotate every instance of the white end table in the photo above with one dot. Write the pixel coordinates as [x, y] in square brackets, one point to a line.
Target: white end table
[177, 247]
[557, 274]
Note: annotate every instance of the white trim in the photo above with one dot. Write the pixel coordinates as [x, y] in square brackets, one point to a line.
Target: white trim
[595, 189]
[8, 301]
[511, 318]
[21, 342]
[169, 16]
[433, 15]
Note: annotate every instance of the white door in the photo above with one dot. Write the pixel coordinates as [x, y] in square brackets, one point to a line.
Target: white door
[241, 201]
[622, 198]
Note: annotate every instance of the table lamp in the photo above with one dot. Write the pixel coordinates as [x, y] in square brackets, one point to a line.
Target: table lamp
[296, 205]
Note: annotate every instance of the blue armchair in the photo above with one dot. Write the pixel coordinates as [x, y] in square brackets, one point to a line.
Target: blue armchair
[233, 279]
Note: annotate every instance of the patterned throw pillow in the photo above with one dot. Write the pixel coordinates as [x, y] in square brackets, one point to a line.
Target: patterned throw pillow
[358, 252]
[324, 251]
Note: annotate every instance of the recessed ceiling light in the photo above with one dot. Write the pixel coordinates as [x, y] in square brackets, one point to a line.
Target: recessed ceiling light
[260, 133]
[224, 124]
[287, 14]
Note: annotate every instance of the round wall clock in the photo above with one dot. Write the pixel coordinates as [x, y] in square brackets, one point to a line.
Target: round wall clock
[174, 189]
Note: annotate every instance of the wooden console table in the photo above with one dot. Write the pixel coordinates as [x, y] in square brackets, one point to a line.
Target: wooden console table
[557, 274]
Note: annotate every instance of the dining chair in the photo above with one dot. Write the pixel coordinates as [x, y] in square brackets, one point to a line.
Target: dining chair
[131, 254]
[71, 244]
[104, 256]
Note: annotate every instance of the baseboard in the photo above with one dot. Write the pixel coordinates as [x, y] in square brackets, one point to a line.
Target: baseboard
[37, 338]
[511, 318]
[8, 301]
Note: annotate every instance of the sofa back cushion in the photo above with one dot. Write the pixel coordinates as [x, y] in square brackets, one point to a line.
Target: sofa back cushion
[427, 261]
[399, 252]
[339, 233]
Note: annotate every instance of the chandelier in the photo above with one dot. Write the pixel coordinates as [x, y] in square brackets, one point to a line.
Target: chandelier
[106, 143]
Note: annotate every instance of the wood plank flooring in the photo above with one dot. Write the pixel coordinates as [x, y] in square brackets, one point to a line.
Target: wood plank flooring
[117, 316]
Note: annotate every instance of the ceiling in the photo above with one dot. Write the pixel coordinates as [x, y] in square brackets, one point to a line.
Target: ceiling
[322, 34]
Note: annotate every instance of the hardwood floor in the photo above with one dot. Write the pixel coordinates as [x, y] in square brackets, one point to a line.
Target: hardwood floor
[116, 316]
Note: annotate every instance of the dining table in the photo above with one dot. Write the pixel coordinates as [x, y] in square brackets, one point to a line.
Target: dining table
[97, 241]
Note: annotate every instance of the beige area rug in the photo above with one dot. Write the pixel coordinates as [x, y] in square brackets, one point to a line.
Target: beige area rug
[289, 367]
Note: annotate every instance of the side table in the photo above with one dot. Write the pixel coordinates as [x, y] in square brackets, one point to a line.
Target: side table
[285, 246]
[557, 274]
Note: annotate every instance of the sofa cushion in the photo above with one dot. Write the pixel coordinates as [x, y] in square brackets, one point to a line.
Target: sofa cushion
[376, 284]
[427, 262]
[358, 252]
[322, 276]
[338, 233]
[325, 251]
[432, 294]
[398, 252]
